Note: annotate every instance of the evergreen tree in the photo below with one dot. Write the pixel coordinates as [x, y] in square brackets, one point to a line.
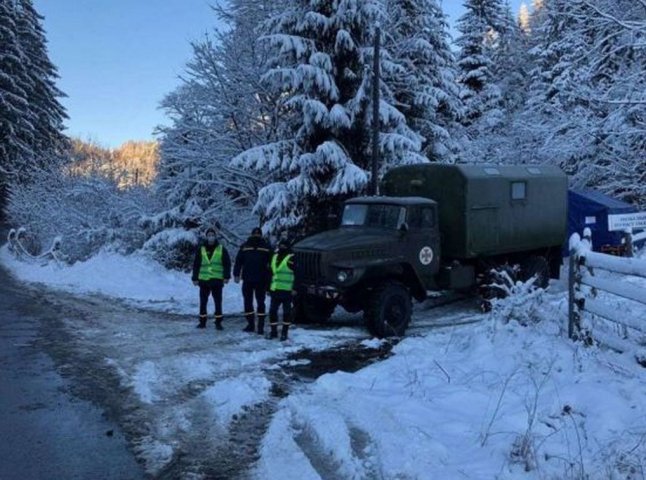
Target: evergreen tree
[587, 104]
[424, 84]
[511, 64]
[31, 117]
[321, 70]
[481, 27]
[524, 19]
[17, 129]
[43, 94]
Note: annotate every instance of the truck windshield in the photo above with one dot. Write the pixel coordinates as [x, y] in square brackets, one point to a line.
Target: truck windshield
[372, 215]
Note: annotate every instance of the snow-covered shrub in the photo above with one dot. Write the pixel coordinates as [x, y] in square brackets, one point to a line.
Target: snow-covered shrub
[174, 248]
[88, 212]
[517, 300]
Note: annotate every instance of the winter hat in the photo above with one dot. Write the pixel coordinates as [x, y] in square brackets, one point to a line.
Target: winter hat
[256, 232]
[212, 230]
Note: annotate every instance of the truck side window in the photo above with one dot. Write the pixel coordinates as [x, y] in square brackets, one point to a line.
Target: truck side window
[518, 190]
[428, 217]
[421, 217]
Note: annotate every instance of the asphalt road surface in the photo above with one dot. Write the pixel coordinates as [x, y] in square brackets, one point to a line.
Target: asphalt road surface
[45, 431]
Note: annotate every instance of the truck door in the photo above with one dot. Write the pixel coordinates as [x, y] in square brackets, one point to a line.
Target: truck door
[424, 241]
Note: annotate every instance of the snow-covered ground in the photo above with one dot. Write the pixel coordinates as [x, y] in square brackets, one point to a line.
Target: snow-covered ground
[484, 401]
[465, 395]
[135, 279]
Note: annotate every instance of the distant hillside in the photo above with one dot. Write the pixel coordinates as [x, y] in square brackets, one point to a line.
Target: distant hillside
[133, 163]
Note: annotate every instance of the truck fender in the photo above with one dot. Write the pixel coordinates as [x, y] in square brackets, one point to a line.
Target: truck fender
[412, 281]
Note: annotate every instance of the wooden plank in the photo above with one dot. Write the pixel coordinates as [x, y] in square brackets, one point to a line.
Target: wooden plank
[597, 307]
[618, 344]
[628, 266]
[621, 289]
[613, 341]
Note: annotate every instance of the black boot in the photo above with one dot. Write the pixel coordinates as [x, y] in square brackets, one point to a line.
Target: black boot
[274, 331]
[261, 326]
[218, 322]
[202, 323]
[250, 326]
[283, 333]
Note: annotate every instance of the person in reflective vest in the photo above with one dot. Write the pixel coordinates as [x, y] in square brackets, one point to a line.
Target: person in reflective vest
[211, 270]
[281, 289]
[252, 264]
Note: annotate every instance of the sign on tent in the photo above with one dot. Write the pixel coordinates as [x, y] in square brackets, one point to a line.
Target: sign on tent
[625, 221]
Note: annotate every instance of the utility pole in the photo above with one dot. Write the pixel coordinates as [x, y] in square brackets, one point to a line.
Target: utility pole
[375, 114]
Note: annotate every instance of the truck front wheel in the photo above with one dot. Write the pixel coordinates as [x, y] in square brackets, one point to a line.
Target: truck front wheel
[389, 310]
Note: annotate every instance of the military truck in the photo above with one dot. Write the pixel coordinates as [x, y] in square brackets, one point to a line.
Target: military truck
[437, 228]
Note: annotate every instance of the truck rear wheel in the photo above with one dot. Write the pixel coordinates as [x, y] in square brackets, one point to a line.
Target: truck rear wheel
[309, 309]
[389, 310]
[536, 266]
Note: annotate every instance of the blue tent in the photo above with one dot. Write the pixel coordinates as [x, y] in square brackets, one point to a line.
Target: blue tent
[588, 208]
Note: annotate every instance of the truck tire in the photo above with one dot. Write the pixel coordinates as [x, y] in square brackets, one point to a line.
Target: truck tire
[309, 309]
[389, 310]
[536, 265]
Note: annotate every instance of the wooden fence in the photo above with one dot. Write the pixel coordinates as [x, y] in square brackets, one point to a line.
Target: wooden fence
[584, 291]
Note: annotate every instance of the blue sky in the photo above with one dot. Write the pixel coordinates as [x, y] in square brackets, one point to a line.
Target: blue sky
[118, 58]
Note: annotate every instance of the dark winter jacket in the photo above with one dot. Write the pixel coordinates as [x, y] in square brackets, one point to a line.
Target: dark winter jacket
[253, 261]
[197, 261]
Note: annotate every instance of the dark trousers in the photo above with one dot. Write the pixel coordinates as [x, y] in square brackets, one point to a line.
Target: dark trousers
[249, 291]
[278, 299]
[207, 290]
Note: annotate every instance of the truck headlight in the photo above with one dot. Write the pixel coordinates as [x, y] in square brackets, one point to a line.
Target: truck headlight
[343, 275]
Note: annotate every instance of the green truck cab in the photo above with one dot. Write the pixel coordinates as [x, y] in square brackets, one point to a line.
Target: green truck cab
[437, 227]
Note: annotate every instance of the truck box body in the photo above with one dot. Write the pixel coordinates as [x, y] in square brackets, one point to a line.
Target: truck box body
[488, 210]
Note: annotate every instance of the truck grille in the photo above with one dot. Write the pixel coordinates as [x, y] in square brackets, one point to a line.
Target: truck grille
[308, 266]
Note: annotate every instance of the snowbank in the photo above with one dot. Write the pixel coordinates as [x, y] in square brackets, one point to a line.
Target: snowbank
[134, 278]
[488, 401]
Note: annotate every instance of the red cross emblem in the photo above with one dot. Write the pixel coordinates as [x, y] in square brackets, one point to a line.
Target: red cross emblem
[426, 255]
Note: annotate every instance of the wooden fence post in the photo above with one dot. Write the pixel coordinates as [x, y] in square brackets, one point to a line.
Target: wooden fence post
[628, 243]
[574, 244]
[571, 305]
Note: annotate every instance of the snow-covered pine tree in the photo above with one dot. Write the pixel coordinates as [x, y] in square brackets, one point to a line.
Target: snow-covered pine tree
[510, 67]
[424, 84]
[511, 64]
[43, 93]
[587, 107]
[16, 118]
[554, 120]
[321, 70]
[31, 117]
[481, 28]
[220, 110]
[524, 19]
[613, 63]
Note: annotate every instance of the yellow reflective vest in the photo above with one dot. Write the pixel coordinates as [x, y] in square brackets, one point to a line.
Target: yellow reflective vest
[211, 268]
[282, 276]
